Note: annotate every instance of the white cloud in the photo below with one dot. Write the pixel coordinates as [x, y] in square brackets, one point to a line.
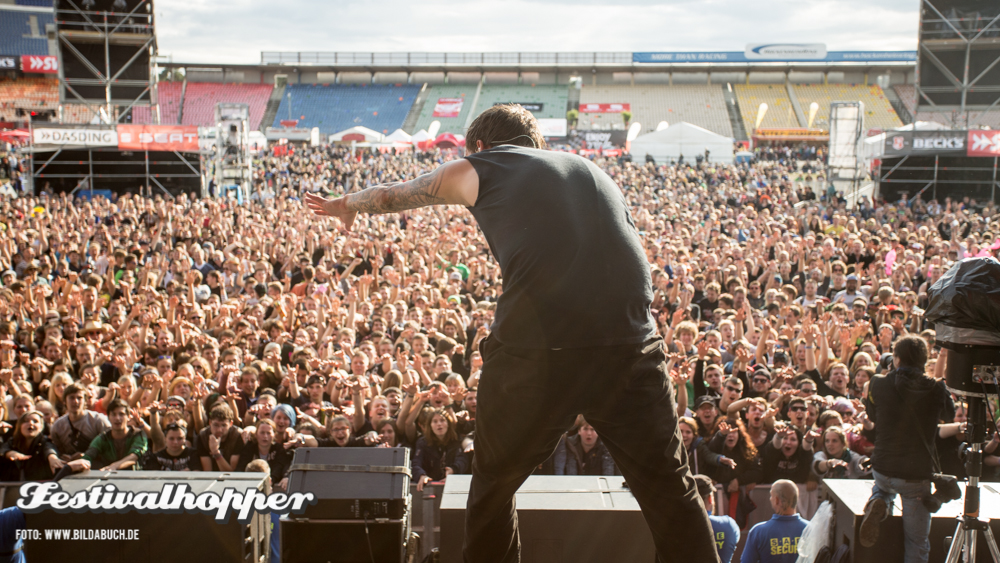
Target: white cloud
[236, 32]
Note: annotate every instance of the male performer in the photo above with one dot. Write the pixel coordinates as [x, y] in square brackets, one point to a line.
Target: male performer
[572, 334]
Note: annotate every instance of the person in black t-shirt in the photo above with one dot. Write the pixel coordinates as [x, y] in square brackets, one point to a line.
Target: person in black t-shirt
[176, 456]
[219, 444]
[572, 332]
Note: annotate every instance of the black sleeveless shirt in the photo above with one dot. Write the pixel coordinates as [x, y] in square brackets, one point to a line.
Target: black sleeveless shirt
[574, 271]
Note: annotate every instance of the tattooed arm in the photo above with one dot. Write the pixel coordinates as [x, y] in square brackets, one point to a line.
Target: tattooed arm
[453, 183]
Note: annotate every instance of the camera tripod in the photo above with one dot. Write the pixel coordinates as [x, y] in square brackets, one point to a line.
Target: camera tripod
[969, 524]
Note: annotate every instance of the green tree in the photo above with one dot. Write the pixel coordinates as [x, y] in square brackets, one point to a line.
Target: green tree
[572, 116]
[626, 116]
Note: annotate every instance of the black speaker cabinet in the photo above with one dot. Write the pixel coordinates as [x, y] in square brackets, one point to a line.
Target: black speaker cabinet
[849, 497]
[191, 538]
[352, 482]
[363, 509]
[561, 519]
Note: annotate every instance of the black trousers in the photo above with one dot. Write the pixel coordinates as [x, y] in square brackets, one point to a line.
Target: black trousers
[529, 398]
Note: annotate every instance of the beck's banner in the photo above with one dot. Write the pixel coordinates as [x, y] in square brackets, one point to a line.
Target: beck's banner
[448, 107]
[942, 143]
[8, 62]
[182, 138]
[984, 143]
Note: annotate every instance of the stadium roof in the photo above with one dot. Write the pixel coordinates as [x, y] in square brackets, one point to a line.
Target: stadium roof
[566, 62]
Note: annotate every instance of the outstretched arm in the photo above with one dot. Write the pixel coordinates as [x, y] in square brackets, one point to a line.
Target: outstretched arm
[453, 183]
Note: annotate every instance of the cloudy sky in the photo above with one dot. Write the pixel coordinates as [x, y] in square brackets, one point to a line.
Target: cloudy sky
[237, 31]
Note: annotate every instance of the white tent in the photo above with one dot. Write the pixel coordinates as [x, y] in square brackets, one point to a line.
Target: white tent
[682, 139]
[398, 136]
[420, 136]
[359, 134]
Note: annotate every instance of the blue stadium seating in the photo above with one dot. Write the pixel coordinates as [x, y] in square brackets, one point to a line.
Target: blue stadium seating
[20, 36]
[42, 3]
[336, 107]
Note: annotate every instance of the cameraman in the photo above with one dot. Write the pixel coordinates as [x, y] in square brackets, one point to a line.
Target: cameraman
[905, 406]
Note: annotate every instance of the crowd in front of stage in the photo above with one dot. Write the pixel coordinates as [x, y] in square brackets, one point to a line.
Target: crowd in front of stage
[198, 334]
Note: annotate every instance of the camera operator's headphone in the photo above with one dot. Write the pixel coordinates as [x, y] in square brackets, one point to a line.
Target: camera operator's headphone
[530, 138]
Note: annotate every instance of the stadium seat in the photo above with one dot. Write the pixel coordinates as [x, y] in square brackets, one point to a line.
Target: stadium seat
[200, 99]
[703, 105]
[30, 94]
[23, 33]
[553, 98]
[878, 111]
[780, 113]
[336, 107]
[448, 124]
[170, 103]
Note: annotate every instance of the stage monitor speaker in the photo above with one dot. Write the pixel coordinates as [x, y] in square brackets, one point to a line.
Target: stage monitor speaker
[849, 497]
[352, 482]
[957, 52]
[363, 509]
[105, 48]
[191, 538]
[561, 519]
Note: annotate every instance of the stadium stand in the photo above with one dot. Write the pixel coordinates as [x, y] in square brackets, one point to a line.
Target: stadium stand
[170, 104]
[878, 111]
[552, 97]
[448, 124]
[336, 107]
[23, 32]
[779, 108]
[40, 3]
[29, 94]
[701, 105]
[977, 119]
[200, 99]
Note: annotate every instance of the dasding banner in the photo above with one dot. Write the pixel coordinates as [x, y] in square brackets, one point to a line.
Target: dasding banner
[158, 138]
[75, 137]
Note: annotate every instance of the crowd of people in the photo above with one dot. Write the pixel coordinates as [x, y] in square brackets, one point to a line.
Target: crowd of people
[156, 333]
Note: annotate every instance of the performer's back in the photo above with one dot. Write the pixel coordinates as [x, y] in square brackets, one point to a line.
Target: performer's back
[574, 271]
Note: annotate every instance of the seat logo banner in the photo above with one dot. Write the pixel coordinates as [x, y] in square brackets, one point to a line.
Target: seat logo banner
[158, 137]
[984, 143]
[43, 64]
[75, 137]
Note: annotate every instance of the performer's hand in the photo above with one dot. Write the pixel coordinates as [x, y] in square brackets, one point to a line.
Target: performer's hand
[335, 207]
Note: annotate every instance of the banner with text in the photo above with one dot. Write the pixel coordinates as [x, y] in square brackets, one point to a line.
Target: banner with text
[41, 64]
[8, 62]
[604, 108]
[944, 143]
[602, 139]
[75, 137]
[984, 143]
[448, 107]
[773, 54]
[158, 137]
[552, 127]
